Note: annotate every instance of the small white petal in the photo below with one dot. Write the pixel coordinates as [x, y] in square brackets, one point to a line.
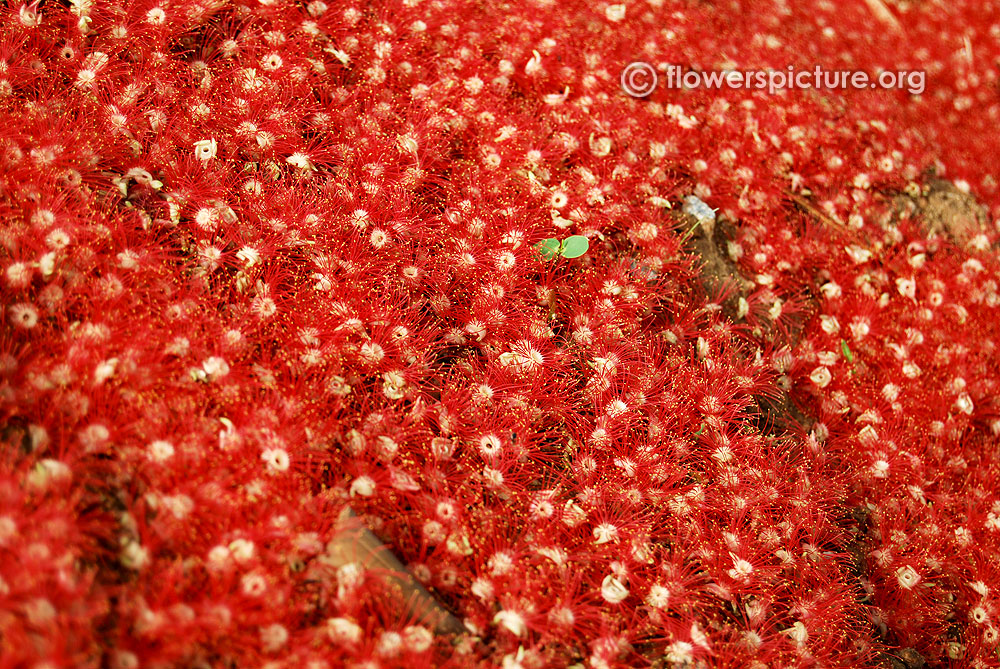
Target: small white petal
[612, 590]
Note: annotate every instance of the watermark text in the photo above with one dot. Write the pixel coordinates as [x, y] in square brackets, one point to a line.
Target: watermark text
[639, 79]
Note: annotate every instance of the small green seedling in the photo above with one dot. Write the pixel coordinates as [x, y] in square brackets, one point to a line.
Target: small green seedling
[549, 248]
[571, 247]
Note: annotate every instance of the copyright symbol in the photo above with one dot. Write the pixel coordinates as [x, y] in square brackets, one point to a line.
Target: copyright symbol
[638, 79]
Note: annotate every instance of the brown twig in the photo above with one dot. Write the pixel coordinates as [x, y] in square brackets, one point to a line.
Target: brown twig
[356, 543]
[804, 204]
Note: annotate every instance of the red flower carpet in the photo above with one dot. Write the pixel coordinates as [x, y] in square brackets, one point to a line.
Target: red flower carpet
[406, 334]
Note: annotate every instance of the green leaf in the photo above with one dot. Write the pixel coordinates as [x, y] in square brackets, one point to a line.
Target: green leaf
[549, 248]
[575, 246]
[846, 351]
